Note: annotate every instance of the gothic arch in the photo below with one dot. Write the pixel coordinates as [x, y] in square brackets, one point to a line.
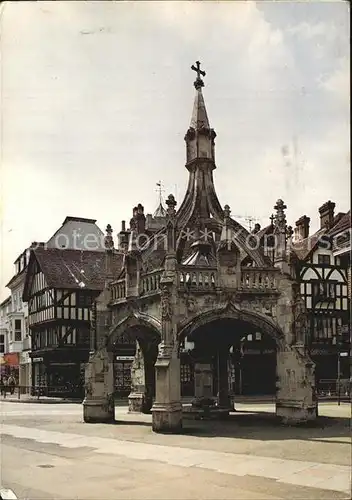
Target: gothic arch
[231, 312]
[135, 320]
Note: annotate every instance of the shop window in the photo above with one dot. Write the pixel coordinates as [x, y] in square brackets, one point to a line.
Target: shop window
[123, 376]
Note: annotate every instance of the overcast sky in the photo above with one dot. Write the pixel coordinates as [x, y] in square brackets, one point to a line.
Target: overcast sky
[97, 97]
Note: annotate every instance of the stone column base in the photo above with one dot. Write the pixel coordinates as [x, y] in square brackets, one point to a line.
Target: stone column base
[167, 418]
[293, 413]
[139, 402]
[98, 411]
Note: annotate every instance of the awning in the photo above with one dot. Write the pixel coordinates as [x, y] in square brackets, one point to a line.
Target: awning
[11, 359]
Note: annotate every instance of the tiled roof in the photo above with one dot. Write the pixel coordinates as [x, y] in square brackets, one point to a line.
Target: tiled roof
[73, 268]
[343, 224]
[303, 248]
[6, 301]
[14, 278]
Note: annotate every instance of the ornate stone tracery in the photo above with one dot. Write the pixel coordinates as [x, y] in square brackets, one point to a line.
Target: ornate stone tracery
[192, 275]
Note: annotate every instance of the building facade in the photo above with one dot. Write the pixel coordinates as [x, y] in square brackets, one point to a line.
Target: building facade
[20, 341]
[5, 309]
[60, 287]
[323, 267]
[75, 233]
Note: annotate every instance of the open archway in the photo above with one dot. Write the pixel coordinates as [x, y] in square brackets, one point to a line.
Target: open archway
[217, 350]
[133, 342]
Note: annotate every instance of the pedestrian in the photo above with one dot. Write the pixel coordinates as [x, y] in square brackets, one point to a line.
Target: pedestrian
[2, 385]
[12, 383]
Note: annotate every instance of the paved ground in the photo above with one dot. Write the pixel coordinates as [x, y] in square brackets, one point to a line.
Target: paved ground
[47, 452]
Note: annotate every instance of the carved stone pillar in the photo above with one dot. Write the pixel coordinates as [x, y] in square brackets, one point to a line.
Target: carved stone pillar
[296, 397]
[140, 398]
[167, 408]
[98, 405]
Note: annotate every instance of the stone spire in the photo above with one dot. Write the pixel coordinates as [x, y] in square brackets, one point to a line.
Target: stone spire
[199, 116]
[199, 137]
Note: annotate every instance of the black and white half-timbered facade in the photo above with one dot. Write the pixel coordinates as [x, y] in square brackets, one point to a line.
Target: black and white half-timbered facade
[60, 288]
[324, 286]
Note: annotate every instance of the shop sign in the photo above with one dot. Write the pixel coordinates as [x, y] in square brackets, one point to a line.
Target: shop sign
[24, 358]
[37, 360]
[124, 358]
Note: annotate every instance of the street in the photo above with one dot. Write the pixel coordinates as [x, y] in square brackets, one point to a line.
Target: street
[48, 452]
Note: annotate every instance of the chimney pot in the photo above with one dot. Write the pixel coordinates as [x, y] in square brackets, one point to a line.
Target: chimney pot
[326, 212]
[302, 228]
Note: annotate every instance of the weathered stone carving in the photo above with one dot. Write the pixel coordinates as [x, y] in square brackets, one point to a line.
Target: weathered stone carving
[190, 303]
[166, 309]
[300, 322]
[165, 350]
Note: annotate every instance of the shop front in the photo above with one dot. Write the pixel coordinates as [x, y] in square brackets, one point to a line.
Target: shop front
[10, 365]
[25, 372]
[59, 374]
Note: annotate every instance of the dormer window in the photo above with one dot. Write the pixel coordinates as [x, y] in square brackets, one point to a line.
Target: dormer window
[324, 259]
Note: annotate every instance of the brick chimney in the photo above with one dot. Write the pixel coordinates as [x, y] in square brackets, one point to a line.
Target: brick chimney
[326, 212]
[302, 228]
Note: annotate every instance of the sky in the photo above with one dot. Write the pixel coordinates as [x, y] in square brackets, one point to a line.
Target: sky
[96, 98]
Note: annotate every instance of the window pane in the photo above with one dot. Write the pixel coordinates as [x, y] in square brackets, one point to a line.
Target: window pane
[323, 259]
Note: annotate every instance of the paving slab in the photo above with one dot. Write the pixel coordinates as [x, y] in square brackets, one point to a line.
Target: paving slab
[252, 457]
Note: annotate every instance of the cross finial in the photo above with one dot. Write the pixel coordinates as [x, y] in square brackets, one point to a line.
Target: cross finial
[199, 82]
